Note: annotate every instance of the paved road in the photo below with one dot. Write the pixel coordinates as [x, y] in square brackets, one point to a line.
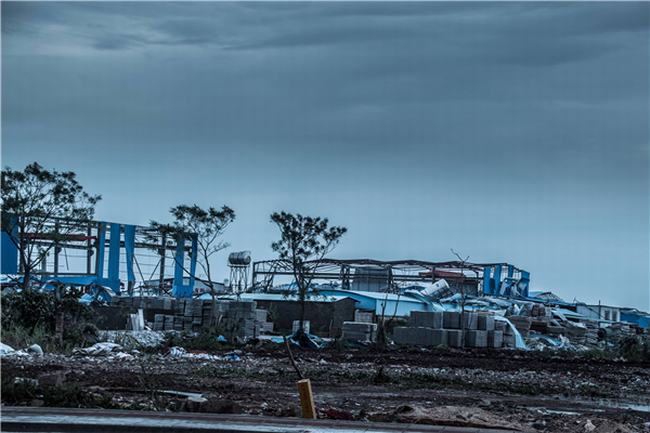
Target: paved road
[53, 420]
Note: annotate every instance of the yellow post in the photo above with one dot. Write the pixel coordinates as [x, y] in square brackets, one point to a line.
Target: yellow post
[306, 399]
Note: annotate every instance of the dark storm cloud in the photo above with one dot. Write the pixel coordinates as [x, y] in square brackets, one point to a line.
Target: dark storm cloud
[511, 131]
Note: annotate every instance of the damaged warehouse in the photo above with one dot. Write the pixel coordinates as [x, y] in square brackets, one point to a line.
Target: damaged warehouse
[324, 217]
[345, 293]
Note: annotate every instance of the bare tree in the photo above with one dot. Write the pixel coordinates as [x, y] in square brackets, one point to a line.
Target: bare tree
[382, 323]
[463, 263]
[208, 226]
[303, 244]
[41, 204]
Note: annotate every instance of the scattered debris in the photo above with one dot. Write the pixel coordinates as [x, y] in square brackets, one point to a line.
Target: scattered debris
[35, 349]
[459, 416]
[177, 352]
[99, 349]
[6, 350]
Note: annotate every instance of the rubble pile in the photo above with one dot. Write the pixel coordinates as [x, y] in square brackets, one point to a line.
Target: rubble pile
[542, 324]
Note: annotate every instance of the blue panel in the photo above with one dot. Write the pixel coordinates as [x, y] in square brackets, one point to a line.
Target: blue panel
[178, 262]
[193, 258]
[639, 319]
[179, 290]
[509, 281]
[79, 280]
[487, 290]
[101, 241]
[497, 280]
[9, 263]
[129, 247]
[114, 259]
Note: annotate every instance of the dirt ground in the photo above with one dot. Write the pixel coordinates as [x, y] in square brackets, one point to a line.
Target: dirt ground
[507, 389]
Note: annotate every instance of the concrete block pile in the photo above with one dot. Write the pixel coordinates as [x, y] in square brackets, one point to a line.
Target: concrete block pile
[359, 331]
[444, 329]
[236, 318]
[522, 323]
[363, 316]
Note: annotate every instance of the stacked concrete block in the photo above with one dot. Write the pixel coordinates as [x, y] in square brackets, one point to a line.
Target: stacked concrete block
[509, 340]
[500, 326]
[359, 331]
[239, 318]
[437, 337]
[495, 339]
[420, 336]
[402, 335]
[475, 338]
[451, 320]
[455, 337]
[485, 322]
[428, 319]
[522, 323]
[470, 320]
[444, 328]
[159, 322]
[295, 326]
[363, 316]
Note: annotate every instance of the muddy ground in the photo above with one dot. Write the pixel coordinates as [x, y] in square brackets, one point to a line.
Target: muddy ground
[507, 389]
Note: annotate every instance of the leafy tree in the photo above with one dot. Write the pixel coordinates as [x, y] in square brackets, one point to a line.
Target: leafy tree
[304, 243]
[41, 203]
[208, 225]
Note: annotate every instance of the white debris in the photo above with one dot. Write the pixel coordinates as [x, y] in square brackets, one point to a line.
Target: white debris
[122, 356]
[25, 381]
[99, 349]
[35, 349]
[589, 426]
[133, 339]
[203, 356]
[177, 352]
[5, 349]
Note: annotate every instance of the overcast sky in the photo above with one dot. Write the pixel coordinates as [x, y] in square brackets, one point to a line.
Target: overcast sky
[508, 131]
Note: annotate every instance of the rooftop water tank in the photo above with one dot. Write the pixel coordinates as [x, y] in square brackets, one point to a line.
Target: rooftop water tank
[241, 258]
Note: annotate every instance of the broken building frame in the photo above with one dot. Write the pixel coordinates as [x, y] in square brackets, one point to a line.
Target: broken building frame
[107, 254]
[495, 279]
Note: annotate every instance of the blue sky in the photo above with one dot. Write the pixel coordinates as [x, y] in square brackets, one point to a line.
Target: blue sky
[511, 132]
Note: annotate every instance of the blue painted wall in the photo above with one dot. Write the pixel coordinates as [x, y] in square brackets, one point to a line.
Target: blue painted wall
[640, 319]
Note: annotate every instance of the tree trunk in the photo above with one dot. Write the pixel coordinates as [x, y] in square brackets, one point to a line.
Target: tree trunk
[213, 318]
[303, 305]
[27, 278]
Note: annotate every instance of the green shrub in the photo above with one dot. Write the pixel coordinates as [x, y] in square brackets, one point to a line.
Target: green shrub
[633, 348]
[30, 316]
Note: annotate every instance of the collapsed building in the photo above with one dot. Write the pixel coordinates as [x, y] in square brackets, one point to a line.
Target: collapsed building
[136, 278]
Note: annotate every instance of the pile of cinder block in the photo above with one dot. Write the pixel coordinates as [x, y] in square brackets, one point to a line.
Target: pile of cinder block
[522, 323]
[363, 316]
[452, 329]
[359, 331]
[237, 318]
